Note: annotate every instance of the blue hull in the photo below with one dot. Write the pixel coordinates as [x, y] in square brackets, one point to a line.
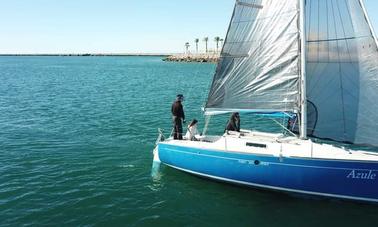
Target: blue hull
[355, 180]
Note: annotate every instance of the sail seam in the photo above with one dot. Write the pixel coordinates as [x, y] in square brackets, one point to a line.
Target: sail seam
[340, 71]
[289, 12]
[235, 56]
[252, 5]
[336, 39]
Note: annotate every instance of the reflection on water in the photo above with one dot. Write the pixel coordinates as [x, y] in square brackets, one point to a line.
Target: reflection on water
[155, 169]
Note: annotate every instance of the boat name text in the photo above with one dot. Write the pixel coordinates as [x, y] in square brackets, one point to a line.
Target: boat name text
[365, 175]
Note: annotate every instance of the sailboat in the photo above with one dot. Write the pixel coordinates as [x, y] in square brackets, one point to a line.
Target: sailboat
[315, 61]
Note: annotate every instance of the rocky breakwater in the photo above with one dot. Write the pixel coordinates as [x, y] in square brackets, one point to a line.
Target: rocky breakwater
[211, 57]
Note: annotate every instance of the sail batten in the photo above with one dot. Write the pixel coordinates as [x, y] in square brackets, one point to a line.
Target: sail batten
[249, 4]
[236, 56]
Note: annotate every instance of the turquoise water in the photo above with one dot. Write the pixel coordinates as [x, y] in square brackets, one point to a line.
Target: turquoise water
[76, 135]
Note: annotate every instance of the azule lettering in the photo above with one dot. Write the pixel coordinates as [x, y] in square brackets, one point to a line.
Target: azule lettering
[365, 175]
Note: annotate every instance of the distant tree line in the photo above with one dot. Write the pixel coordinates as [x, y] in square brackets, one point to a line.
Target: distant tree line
[217, 41]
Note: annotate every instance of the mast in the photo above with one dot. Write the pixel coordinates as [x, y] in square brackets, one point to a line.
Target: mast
[303, 100]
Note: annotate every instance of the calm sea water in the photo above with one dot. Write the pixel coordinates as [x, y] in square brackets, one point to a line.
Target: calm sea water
[76, 135]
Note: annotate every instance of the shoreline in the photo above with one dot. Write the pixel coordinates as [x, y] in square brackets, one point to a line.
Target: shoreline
[199, 58]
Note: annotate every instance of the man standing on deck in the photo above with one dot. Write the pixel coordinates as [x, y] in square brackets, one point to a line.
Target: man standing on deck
[178, 117]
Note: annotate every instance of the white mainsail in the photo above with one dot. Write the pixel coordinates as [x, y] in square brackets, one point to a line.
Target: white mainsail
[259, 64]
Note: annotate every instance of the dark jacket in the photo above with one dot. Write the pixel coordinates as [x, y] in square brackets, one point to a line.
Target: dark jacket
[234, 123]
[177, 110]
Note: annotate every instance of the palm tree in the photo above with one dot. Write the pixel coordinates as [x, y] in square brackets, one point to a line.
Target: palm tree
[196, 41]
[221, 41]
[187, 45]
[217, 39]
[206, 39]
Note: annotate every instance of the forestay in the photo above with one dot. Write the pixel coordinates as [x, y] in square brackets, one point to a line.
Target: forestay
[259, 64]
[342, 71]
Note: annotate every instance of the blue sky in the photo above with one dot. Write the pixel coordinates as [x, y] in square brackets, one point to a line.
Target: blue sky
[115, 26]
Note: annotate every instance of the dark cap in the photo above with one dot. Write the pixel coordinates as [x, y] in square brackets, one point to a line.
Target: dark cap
[180, 97]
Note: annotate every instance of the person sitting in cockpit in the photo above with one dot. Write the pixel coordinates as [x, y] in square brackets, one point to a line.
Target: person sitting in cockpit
[234, 123]
[192, 131]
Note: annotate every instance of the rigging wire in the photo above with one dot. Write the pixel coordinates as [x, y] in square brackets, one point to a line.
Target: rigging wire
[340, 73]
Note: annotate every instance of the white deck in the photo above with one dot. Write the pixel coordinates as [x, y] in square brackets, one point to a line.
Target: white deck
[275, 145]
